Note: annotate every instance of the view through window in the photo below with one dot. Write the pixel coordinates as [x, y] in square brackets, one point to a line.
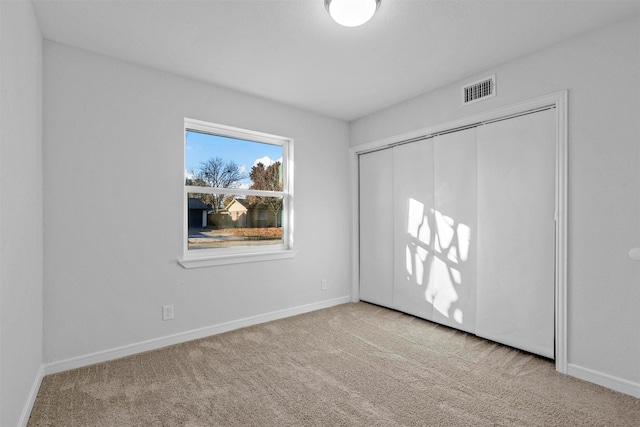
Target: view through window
[236, 189]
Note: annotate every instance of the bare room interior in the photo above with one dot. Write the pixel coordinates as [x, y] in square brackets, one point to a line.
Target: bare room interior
[268, 213]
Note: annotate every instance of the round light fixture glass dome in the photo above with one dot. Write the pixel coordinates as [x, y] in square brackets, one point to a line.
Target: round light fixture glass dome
[351, 13]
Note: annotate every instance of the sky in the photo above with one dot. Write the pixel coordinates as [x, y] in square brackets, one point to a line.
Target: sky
[200, 147]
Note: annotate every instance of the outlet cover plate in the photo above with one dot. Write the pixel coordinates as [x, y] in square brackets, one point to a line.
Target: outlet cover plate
[167, 312]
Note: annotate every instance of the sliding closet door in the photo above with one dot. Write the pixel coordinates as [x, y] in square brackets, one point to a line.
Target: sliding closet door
[413, 227]
[452, 283]
[516, 232]
[376, 227]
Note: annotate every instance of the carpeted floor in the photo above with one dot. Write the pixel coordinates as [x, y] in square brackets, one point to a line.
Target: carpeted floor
[349, 365]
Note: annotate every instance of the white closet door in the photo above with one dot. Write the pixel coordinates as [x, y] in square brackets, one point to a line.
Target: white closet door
[452, 284]
[516, 232]
[414, 227]
[376, 227]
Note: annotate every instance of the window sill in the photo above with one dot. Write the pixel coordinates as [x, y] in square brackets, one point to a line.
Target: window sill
[213, 260]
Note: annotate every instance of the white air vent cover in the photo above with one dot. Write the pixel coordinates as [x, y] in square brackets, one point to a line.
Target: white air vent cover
[479, 90]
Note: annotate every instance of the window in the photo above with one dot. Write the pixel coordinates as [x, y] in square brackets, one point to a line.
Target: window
[238, 195]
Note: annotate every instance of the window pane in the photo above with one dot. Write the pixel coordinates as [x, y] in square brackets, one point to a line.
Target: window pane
[218, 161]
[237, 221]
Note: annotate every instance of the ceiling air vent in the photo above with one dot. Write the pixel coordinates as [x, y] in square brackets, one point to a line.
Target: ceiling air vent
[479, 90]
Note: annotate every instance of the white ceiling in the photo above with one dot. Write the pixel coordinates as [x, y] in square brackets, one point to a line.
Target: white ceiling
[291, 51]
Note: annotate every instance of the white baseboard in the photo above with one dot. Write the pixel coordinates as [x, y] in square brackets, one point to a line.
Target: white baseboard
[605, 380]
[33, 393]
[156, 343]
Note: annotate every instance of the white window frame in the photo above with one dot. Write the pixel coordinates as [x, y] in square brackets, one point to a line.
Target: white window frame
[235, 255]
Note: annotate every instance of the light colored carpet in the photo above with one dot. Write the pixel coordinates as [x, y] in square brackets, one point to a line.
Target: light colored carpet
[349, 365]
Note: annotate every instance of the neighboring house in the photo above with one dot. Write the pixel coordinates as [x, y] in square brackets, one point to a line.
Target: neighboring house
[237, 210]
[197, 213]
[239, 213]
[234, 215]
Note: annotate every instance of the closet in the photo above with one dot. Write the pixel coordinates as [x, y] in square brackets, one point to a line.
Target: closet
[459, 229]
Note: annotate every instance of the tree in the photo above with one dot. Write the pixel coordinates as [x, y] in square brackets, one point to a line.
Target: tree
[269, 179]
[215, 172]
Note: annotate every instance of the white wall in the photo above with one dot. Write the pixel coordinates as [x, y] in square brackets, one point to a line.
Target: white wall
[20, 210]
[601, 72]
[113, 172]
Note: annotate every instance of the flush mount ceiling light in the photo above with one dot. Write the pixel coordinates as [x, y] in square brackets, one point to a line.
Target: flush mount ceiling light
[351, 13]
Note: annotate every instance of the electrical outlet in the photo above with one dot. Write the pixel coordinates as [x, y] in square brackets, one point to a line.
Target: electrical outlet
[323, 284]
[167, 312]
